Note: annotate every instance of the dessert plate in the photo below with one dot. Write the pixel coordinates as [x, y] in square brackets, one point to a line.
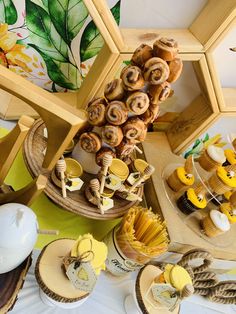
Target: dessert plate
[34, 146]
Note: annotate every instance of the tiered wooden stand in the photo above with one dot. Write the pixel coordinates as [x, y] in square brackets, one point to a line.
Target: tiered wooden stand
[182, 236]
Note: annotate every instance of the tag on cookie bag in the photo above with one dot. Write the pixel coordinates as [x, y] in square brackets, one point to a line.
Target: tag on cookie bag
[74, 184]
[82, 276]
[164, 294]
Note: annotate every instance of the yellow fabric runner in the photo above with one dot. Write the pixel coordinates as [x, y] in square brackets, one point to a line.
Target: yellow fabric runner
[51, 216]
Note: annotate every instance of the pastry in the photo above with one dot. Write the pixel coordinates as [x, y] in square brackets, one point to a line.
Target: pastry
[151, 114]
[137, 102]
[223, 179]
[132, 78]
[63, 280]
[112, 135]
[223, 198]
[90, 142]
[212, 158]
[159, 93]
[229, 211]
[230, 156]
[141, 55]
[156, 71]
[100, 154]
[134, 130]
[96, 112]
[176, 67]
[165, 48]
[182, 176]
[192, 200]
[116, 112]
[114, 90]
[215, 223]
[124, 149]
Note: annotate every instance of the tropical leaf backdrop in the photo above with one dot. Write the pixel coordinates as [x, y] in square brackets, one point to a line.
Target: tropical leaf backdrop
[52, 43]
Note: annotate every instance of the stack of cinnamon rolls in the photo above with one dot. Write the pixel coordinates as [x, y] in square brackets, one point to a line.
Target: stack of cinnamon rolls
[131, 102]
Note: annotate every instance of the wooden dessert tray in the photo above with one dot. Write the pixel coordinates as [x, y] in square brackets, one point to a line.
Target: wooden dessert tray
[184, 233]
[76, 202]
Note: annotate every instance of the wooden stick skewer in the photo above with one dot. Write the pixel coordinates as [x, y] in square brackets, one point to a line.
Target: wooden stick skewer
[47, 231]
[106, 162]
[148, 171]
[61, 168]
[95, 186]
[138, 149]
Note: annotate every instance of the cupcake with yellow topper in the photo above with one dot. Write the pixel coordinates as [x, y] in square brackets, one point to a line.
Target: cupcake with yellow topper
[67, 270]
[192, 200]
[223, 180]
[229, 208]
[182, 177]
[230, 156]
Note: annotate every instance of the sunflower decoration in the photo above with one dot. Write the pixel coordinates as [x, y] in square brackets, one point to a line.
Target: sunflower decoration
[11, 53]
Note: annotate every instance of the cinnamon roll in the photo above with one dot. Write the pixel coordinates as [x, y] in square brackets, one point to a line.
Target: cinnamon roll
[134, 130]
[141, 55]
[158, 93]
[103, 151]
[116, 112]
[156, 71]
[151, 114]
[112, 135]
[138, 102]
[124, 149]
[165, 48]
[114, 90]
[90, 142]
[175, 67]
[132, 78]
[96, 112]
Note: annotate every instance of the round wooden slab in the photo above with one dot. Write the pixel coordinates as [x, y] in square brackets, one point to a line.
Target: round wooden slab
[11, 283]
[51, 276]
[143, 282]
[76, 202]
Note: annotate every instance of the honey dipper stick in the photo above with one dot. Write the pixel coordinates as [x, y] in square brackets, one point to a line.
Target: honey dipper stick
[61, 168]
[106, 162]
[123, 189]
[95, 185]
[148, 171]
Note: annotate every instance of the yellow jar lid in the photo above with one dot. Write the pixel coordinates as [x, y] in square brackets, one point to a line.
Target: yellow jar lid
[73, 168]
[140, 165]
[108, 192]
[119, 169]
[179, 277]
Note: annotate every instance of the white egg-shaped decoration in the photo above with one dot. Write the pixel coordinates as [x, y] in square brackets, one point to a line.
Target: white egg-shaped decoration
[87, 160]
[18, 235]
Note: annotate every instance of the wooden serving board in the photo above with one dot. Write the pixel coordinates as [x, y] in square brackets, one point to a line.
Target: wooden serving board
[76, 202]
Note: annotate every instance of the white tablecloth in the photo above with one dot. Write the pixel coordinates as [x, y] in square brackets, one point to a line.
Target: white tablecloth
[107, 298]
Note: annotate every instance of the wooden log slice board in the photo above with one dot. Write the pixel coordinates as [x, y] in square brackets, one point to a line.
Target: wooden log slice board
[144, 279]
[10, 284]
[51, 276]
[76, 202]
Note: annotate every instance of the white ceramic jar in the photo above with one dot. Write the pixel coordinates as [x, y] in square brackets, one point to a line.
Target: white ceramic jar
[18, 235]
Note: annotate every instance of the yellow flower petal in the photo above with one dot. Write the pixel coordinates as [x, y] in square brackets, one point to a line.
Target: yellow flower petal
[3, 29]
[18, 47]
[19, 58]
[8, 41]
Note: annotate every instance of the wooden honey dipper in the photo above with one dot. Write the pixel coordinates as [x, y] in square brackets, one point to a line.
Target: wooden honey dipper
[95, 186]
[123, 189]
[148, 171]
[187, 291]
[106, 162]
[61, 168]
